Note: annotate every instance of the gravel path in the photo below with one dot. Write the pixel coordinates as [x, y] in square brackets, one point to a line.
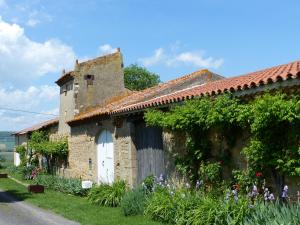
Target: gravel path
[14, 212]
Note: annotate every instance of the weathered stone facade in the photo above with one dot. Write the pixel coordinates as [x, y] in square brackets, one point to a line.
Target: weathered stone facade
[83, 148]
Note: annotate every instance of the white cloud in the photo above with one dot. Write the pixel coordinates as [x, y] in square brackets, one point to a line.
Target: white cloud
[197, 59]
[106, 49]
[158, 57]
[32, 22]
[188, 58]
[30, 99]
[23, 59]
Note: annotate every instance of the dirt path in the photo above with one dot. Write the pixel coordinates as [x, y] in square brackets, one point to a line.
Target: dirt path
[14, 212]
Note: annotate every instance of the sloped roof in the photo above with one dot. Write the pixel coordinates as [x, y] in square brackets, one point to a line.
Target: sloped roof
[183, 82]
[239, 83]
[35, 127]
[151, 97]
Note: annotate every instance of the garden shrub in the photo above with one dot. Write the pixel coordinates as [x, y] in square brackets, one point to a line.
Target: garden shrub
[148, 183]
[210, 173]
[277, 214]
[108, 195]
[161, 207]
[69, 186]
[13, 170]
[214, 210]
[170, 207]
[134, 202]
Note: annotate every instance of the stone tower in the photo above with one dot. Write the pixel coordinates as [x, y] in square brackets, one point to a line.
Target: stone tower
[90, 84]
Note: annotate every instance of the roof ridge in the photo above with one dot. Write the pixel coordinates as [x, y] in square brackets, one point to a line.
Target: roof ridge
[100, 57]
[265, 69]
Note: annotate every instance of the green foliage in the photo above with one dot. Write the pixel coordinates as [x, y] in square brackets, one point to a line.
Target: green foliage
[197, 114]
[69, 186]
[276, 214]
[161, 207]
[212, 210]
[14, 170]
[244, 179]
[139, 78]
[210, 172]
[39, 142]
[184, 207]
[196, 117]
[149, 183]
[134, 201]
[274, 121]
[108, 195]
[171, 206]
[22, 152]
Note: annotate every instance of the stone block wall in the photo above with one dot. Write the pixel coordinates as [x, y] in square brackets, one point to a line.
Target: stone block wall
[174, 143]
[83, 146]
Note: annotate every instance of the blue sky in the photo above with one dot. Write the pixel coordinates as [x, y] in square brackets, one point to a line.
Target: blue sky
[40, 38]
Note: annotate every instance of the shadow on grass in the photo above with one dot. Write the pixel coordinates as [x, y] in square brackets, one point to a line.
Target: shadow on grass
[12, 196]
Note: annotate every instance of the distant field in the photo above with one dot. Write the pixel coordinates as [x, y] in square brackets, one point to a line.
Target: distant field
[8, 158]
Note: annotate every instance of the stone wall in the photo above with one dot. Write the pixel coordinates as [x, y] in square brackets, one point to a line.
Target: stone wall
[83, 146]
[98, 80]
[67, 106]
[174, 143]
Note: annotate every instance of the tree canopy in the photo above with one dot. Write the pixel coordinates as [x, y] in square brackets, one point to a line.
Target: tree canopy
[138, 78]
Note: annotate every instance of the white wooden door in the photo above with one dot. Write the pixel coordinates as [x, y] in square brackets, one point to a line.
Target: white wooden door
[105, 152]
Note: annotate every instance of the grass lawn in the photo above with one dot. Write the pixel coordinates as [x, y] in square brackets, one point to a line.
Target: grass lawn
[73, 207]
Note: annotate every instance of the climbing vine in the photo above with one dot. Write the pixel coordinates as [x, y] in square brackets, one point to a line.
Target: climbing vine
[53, 151]
[195, 118]
[273, 121]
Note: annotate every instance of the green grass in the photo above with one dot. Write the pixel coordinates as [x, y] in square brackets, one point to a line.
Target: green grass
[73, 207]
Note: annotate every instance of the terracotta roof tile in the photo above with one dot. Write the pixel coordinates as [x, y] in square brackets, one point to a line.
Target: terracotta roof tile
[148, 97]
[38, 126]
[274, 74]
[140, 96]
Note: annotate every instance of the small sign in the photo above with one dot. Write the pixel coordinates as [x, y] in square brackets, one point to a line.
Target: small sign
[86, 184]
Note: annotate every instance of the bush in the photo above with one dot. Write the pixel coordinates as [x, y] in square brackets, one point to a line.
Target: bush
[161, 207]
[171, 207]
[14, 170]
[264, 214]
[108, 195]
[211, 210]
[69, 186]
[184, 207]
[134, 201]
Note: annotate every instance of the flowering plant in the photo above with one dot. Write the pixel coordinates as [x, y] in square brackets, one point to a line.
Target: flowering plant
[258, 174]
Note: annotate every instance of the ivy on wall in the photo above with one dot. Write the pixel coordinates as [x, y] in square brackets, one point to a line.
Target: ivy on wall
[53, 151]
[273, 120]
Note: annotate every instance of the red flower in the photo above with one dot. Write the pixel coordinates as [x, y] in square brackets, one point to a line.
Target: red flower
[258, 174]
[221, 162]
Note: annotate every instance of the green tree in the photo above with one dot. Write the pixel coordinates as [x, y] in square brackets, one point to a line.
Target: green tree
[139, 78]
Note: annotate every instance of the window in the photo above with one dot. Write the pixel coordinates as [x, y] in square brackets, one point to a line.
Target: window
[89, 79]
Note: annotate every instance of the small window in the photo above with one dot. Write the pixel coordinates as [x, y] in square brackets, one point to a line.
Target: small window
[89, 78]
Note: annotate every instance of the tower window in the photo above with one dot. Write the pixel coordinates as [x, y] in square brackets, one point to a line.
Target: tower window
[89, 78]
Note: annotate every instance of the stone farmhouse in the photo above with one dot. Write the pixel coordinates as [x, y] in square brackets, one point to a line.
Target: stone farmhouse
[107, 136]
